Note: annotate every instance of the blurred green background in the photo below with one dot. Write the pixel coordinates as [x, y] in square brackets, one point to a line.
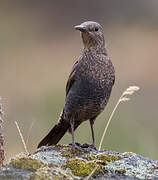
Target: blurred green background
[38, 48]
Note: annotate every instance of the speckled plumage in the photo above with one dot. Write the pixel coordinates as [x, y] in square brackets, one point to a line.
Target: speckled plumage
[93, 81]
[89, 85]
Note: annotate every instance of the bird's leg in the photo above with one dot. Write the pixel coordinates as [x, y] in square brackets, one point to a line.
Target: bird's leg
[92, 130]
[74, 146]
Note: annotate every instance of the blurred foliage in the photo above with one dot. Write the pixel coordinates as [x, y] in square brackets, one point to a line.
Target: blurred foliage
[38, 48]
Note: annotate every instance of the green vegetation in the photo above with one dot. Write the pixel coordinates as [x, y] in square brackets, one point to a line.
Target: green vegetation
[83, 168]
[27, 163]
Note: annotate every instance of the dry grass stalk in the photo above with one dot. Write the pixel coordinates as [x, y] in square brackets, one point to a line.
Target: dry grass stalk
[22, 138]
[2, 152]
[124, 97]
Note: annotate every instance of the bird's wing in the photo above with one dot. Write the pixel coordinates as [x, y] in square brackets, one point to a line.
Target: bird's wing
[71, 78]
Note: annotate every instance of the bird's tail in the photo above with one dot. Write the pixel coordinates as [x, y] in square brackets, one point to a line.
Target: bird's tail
[56, 133]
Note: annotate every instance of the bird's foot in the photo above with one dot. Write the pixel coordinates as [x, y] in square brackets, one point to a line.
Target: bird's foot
[93, 146]
[77, 146]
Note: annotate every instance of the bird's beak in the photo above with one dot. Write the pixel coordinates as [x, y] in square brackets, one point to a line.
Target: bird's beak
[80, 28]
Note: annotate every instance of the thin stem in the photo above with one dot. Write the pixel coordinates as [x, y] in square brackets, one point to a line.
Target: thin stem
[22, 138]
[87, 178]
[107, 125]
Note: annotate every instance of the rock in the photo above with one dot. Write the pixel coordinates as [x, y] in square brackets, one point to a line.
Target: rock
[58, 162]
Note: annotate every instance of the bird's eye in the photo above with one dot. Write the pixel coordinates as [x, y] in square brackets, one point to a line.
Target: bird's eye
[96, 29]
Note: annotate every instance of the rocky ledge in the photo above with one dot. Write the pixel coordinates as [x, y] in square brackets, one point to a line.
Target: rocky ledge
[58, 162]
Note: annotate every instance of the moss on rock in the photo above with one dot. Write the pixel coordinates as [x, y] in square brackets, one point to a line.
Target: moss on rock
[104, 157]
[108, 157]
[50, 173]
[83, 168]
[26, 163]
[58, 162]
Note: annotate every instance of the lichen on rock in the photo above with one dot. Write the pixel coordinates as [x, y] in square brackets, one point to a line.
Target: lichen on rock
[58, 162]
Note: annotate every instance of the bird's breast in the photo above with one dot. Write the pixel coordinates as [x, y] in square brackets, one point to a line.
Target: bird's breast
[96, 70]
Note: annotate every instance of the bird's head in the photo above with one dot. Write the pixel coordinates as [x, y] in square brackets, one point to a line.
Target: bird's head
[92, 34]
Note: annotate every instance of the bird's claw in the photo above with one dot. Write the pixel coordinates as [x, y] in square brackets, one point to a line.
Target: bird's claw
[93, 146]
[78, 147]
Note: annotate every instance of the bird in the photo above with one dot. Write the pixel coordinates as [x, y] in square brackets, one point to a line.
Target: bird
[88, 87]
